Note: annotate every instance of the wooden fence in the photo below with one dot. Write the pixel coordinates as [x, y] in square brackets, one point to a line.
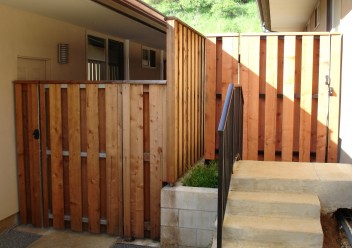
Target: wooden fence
[289, 114]
[185, 91]
[91, 155]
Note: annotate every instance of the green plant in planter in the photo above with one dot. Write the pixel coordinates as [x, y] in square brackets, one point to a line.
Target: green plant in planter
[202, 176]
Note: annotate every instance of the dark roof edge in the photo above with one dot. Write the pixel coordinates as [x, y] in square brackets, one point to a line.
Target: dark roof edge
[143, 8]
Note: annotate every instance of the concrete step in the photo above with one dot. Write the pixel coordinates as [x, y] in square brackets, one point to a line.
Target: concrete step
[251, 244]
[273, 177]
[273, 204]
[286, 231]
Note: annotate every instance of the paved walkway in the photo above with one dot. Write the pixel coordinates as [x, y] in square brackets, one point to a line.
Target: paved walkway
[51, 238]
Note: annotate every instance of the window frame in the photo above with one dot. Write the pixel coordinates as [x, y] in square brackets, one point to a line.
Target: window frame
[147, 57]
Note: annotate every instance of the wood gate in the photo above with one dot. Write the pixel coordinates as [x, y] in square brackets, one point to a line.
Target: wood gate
[91, 155]
[291, 87]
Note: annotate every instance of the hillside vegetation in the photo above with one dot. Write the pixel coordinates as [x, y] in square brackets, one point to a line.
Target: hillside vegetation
[213, 16]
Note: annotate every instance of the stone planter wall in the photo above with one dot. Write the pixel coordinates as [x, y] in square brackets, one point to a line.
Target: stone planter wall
[187, 216]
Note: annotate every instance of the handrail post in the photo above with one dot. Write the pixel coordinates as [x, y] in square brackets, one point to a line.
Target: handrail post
[230, 148]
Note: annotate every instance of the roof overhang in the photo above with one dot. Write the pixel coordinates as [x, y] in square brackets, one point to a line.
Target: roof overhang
[126, 19]
[286, 15]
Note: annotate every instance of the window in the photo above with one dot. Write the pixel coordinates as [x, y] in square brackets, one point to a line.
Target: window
[148, 58]
[96, 58]
[317, 16]
[105, 59]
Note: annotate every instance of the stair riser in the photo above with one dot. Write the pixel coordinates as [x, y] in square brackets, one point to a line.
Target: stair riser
[259, 208]
[276, 236]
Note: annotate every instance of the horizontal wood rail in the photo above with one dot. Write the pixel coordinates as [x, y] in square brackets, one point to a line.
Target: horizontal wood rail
[84, 82]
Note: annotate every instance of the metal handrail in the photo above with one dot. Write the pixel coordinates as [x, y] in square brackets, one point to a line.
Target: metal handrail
[230, 148]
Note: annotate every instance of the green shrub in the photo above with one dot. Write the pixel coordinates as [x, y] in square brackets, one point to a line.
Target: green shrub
[202, 176]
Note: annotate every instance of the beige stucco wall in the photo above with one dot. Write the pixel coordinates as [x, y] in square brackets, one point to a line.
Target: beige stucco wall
[323, 18]
[28, 35]
[137, 72]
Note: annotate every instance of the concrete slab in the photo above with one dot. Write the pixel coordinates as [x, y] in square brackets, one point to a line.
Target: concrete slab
[63, 239]
[52, 238]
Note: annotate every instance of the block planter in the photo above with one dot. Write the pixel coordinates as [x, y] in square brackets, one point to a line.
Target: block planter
[187, 216]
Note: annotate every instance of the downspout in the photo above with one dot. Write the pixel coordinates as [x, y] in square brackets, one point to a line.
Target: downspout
[126, 53]
[264, 12]
[341, 216]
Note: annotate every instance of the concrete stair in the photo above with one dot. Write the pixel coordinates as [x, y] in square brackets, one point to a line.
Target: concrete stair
[273, 204]
[271, 211]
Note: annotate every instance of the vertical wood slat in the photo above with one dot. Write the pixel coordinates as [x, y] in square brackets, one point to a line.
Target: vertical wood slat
[172, 89]
[244, 81]
[102, 161]
[112, 160]
[74, 139]
[156, 157]
[44, 163]
[334, 107]
[120, 161]
[279, 105]
[181, 117]
[298, 76]
[193, 113]
[324, 58]
[83, 118]
[136, 160]
[306, 98]
[202, 92]
[210, 99]
[146, 150]
[185, 97]
[56, 160]
[20, 154]
[126, 130]
[288, 100]
[34, 155]
[219, 53]
[253, 64]
[190, 98]
[196, 97]
[262, 85]
[93, 170]
[189, 103]
[229, 66]
[271, 97]
[315, 91]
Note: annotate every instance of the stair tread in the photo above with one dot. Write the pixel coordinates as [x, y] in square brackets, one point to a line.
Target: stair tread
[274, 223]
[274, 197]
[272, 170]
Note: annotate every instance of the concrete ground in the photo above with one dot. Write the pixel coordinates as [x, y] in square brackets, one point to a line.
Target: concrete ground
[52, 238]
